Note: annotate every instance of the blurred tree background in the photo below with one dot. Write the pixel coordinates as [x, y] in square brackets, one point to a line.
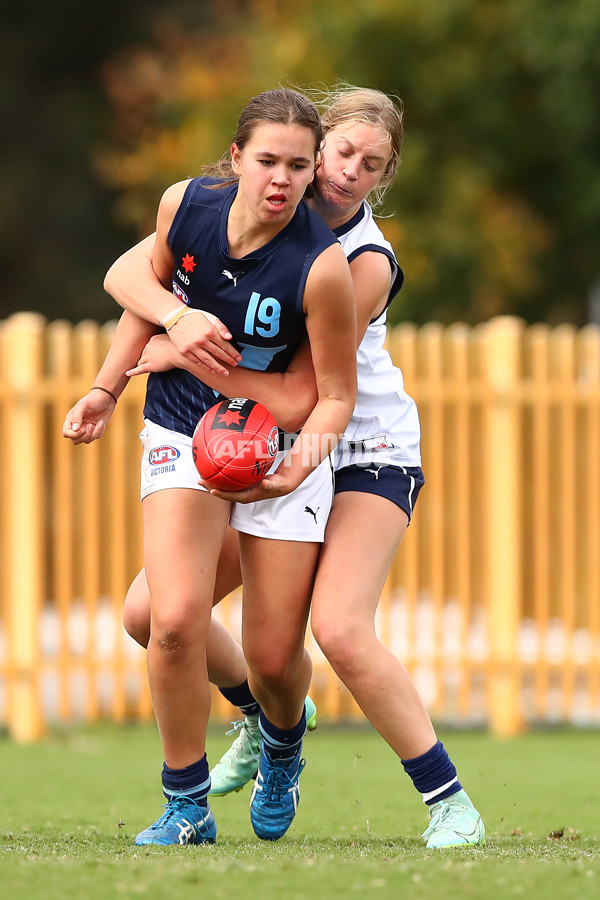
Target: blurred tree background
[497, 205]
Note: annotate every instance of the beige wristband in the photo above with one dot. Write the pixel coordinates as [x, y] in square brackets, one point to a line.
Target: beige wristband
[174, 316]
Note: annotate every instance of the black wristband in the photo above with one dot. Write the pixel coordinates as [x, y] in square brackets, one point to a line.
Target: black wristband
[97, 387]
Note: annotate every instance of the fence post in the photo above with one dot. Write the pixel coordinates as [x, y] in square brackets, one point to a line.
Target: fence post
[23, 346]
[501, 364]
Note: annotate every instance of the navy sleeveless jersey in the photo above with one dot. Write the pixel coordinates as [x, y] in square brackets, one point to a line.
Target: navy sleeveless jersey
[258, 297]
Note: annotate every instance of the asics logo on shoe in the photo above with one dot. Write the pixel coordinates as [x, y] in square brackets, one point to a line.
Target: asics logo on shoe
[186, 831]
[311, 512]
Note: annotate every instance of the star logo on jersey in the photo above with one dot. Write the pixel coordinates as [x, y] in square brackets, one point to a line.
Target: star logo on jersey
[188, 263]
[230, 417]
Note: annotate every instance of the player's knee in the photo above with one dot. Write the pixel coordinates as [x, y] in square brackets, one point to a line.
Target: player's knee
[341, 642]
[168, 641]
[269, 668]
[137, 624]
[173, 644]
[136, 611]
[176, 632]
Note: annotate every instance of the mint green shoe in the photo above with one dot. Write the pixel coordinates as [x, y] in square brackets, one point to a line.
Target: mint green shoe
[310, 710]
[454, 823]
[239, 764]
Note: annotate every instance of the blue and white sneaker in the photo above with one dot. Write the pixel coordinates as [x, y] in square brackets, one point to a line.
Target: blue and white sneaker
[239, 764]
[183, 822]
[275, 796]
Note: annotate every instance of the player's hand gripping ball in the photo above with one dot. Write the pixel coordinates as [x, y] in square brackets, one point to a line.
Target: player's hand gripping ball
[234, 444]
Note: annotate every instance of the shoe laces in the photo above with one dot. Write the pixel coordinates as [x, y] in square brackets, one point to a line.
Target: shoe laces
[236, 726]
[447, 814]
[173, 807]
[244, 726]
[245, 742]
[279, 782]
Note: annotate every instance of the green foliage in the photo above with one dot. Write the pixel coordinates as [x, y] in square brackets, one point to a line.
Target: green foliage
[72, 804]
[497, 205]
[58, 233]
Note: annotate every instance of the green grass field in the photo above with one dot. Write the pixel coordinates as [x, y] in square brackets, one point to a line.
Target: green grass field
[72, 804]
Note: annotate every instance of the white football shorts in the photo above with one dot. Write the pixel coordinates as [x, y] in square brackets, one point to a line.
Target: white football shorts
[167, 462]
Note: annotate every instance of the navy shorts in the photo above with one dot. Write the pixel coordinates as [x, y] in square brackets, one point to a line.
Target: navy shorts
[399, 484]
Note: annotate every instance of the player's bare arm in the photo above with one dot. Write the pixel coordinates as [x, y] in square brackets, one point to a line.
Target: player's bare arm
[87, 420]
[372, 277]
[140, 281]
[290, 396]
[330, 307]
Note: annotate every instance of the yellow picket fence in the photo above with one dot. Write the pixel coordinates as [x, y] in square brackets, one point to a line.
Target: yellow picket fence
[493, 602]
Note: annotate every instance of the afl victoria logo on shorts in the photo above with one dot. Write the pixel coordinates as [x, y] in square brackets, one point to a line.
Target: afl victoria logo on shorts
[160, 456]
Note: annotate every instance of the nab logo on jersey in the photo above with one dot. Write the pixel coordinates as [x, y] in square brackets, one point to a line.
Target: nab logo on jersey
[158, 456]
[188, 264]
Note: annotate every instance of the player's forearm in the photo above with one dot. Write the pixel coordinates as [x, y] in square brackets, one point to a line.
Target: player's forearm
[290, 396]
[133, 283]
[319, 436]
[130, 337]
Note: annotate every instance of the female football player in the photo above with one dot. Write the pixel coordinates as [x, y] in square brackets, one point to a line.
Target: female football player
[239, 244]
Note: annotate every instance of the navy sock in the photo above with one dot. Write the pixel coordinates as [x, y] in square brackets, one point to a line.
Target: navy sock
[433, 774]
[242, 697]
[193, 781]
[282, 743]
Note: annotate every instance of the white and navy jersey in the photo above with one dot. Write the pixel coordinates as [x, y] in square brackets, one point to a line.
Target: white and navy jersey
[259, 297]
[384, 426]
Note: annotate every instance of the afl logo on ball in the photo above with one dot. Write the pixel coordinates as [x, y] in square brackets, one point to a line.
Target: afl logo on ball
[273, 442]
[158, 456]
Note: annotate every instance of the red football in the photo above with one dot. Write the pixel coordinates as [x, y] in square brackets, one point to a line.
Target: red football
[235, 443]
